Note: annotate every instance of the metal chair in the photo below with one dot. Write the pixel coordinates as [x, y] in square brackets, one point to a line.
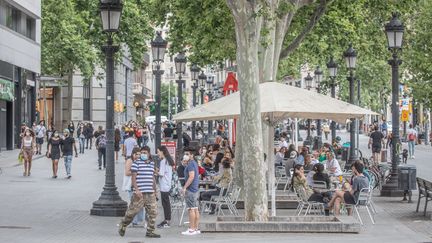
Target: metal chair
[319, 185]
[280, 175]
[309, 205]
[178, 206]
[230, 200]
[363, 200]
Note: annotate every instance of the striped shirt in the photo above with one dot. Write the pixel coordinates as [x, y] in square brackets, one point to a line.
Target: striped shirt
[145, 175]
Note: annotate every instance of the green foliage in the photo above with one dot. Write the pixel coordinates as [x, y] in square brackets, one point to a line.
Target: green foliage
[72, 35]
[165, 98]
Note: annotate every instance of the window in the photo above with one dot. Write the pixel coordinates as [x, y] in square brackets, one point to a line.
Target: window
[30, 28]
[86, 102]
[17, 21]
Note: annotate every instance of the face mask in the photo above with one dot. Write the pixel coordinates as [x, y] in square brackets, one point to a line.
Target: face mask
[186, 157]
[144, 156]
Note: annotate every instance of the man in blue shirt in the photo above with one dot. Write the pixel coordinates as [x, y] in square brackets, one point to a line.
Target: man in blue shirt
[191, 191]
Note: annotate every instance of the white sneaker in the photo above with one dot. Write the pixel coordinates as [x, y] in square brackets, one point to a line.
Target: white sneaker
[198, 231]
[189, 232]
[413, 157]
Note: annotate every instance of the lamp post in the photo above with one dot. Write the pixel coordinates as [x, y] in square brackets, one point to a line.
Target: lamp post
[394, 30]
[318, 78]
[299, 138]
[110, 202]
[195, 70]
[180, 65]
[333, 69]
[158, 46]
[350, 56]
[210, 82]
[202, 83]
[308, 82]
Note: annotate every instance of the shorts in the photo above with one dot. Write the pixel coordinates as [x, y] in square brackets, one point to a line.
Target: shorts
[376, 149]
[348, 198]
[39, 140]
[191, 199]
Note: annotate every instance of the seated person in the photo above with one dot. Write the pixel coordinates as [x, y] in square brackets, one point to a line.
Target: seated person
[349, 194]
[222, 181]
[320, 175]
[207, 162]
[308, 163]
[332, 165]
[299, 183]
[279, 156]
[289, 164]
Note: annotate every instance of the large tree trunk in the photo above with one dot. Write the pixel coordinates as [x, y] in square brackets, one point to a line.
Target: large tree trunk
[248, 28]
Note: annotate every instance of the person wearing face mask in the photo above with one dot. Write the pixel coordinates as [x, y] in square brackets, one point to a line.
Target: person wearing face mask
[190, 191]
[67, 144]
[27, 148]
[81, 137]
[143, 183]
[54, 152]
[165, 177]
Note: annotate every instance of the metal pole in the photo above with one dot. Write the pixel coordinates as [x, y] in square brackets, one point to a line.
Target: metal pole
[357, 120]
[391, 188]
[319, 133]
[179, 109]
[202, 102]
[158, 130]
[110, 202]
[210, 123]
[353, 153]
[333, 123]
[194, 88]
[427, 126]
[169, 100]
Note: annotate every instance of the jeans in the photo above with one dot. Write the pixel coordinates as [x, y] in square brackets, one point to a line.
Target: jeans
[102, 155]
[139, 217]
[89, 141]
[145, 140]
[68, 164]
[411, 145]
[166, 204]
[81, 145]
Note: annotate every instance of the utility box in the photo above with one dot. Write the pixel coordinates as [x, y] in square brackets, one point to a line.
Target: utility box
[407, 177]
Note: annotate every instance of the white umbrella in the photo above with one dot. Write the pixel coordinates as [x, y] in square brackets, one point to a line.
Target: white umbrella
[278, 101]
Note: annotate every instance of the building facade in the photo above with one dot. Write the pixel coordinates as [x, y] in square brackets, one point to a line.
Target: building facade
[20, 61]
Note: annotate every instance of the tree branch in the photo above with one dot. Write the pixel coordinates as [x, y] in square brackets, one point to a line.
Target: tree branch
[319, 12]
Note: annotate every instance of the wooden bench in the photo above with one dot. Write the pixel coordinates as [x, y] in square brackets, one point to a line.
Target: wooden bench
[425, 191]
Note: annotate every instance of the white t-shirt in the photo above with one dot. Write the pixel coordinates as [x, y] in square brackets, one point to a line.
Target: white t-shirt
[165, 174]
[333, 164]
[130, 143]
[40, 131]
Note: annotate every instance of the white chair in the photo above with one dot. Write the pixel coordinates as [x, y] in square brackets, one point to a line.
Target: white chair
[319, 185]
[309, 205]
[178, 206]
[363, 200]
[230, 200]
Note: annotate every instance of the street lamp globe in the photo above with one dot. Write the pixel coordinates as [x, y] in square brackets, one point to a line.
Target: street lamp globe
[308, 81]
[350, 56]
[180, 63]
[209, 84]
[394, 30]
[158, 46]
[110, 12]
[195, 71]
[318, 76]
[202, 80]
[332, 68]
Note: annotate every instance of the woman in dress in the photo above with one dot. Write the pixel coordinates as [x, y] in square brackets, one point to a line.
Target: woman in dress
[27, 149]
[165, 177]
[54, 152]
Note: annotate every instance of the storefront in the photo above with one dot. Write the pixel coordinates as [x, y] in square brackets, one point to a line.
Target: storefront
[7, 88]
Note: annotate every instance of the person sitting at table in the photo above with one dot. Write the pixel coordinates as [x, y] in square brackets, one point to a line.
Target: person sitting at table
[350, 194]
[289, 164]
[332, 165]
[222, 181]
[217, 165]
[228, 159]
[320, 175]
[279, 156]
[208, 162]
[299, 183]
[301, 157]
[290, 149]
[308, 165]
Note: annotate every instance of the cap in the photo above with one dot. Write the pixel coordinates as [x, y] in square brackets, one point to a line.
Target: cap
[293, 154]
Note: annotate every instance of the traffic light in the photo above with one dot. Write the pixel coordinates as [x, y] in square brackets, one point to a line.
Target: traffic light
[116, 106]
[121, 106]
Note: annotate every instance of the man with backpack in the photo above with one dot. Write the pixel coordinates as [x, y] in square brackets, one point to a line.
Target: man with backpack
[101, 143]
[412, 136]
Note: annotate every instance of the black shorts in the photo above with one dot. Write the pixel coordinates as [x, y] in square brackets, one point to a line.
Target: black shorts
[348, 198]
[39, 140]
[376, 149]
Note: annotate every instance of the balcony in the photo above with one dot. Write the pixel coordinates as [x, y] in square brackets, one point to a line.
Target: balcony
[139, 90]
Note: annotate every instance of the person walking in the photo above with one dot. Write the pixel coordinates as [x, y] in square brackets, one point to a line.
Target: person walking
[88, 132]
[54, 152]
[144, 185]
[165, 177]
[27, 150]
[127, 185]
[101, 142]
[71, 128]
[412, 137]
[117, 139]
[190, 191]
[40, 131]
[81, 137]
[376, 140]
[67, 144]
[129, 144]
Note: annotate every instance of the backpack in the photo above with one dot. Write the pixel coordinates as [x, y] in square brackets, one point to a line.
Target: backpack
[411, 137]
[175, 186]
[102, 141]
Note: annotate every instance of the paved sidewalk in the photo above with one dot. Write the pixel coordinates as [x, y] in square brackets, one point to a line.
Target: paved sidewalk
[41, 209]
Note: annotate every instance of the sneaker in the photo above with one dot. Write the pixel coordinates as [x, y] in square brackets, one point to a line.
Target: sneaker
[413, 157]
[163, 224]
[189, 232]
[122, 229]
[152, 235]
[69, 176]
[198, 231]
[100, 168]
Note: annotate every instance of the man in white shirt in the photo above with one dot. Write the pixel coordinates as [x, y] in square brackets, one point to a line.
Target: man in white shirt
[129, 144]
[332, 165]
[40, 132]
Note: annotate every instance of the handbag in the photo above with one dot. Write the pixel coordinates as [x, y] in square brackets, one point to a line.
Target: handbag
[20, 157]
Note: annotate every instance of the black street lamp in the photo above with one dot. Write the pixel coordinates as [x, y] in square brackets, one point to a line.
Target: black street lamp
[110, 202]
[318, 78]
[202, 84]
[210, 82]
[394, 30]
[308, 82]
[299, 138]
[350, 56]
[180, 64]
[333, 69]
[158, 46]
[195, 70]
